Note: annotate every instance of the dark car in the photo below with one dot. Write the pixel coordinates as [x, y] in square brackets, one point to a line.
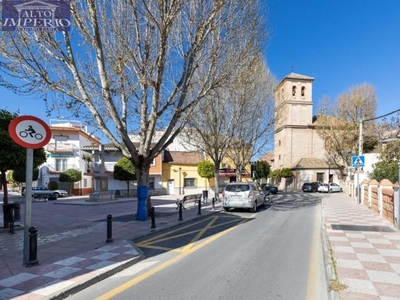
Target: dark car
[310, 187]
[267, 187]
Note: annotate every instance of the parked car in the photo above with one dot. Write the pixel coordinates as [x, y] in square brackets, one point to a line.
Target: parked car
[310, 187]
[269, 187]
[243, 195]
[41, 191]
[329, 188]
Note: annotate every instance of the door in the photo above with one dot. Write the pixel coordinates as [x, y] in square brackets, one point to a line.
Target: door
[171, 187]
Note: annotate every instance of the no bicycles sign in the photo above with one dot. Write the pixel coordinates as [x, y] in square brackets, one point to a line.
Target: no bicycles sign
[29, 132]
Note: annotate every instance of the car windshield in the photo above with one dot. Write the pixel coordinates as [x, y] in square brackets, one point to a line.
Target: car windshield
[237, 188]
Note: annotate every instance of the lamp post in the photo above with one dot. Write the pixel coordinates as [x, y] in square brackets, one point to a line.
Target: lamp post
[329, 171]
[180, 171]
[398, 190]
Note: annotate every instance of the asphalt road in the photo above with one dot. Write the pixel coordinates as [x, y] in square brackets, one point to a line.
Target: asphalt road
[275, 253]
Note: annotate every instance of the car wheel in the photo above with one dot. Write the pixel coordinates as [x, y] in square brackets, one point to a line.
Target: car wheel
[254, 208]
[56, 194]
[226, 208]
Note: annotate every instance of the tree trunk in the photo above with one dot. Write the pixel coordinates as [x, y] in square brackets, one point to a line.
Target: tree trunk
[216, 192]
[5, 194]
[142, 175]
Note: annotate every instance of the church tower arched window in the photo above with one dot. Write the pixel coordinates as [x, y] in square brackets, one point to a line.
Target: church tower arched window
[294, 90]
[303, 91]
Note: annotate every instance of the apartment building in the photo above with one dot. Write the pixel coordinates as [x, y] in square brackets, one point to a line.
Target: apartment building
[64, 151]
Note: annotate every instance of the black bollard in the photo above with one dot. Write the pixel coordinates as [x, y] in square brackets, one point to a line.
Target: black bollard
[199, 211]
[213, 203]
[153, 217]
[180, 211]
[109, 229]
[32, 246]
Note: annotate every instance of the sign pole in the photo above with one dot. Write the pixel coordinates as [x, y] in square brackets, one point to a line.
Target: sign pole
[28, 202]
[31, 133]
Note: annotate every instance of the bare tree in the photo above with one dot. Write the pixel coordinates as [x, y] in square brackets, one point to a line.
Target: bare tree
[133, 66]
[253, 93]
[338, 123]
[234, 121]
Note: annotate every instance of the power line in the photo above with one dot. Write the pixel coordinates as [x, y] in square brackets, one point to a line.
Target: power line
[398, 110]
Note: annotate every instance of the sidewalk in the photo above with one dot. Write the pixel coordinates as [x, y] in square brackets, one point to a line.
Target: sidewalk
[72, 249]
[365, 248]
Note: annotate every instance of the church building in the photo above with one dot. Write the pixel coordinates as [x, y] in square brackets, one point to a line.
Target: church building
[297, 144]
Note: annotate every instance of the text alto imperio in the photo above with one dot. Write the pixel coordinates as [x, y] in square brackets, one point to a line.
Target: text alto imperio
[36, 19]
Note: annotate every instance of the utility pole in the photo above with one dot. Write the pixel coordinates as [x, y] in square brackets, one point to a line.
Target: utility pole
[360, 151]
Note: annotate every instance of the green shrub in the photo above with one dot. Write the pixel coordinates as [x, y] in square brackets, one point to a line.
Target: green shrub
[52, 185]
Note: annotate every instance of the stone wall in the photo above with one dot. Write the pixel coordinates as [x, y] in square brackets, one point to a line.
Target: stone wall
[379, 197]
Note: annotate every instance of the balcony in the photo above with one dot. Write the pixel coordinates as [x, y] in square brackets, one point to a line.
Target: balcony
[96, 167]
[57, 169]
[60, 148]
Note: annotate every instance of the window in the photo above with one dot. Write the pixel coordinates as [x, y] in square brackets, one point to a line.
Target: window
[303, 91]
[153, 163]
[61, 164]
[85, 183]
[279, 157]
[294, 91]
[151, 183]
[279, 142]
[320, 177]
[190, 182]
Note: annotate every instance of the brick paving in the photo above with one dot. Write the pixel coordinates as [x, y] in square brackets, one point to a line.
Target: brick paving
[366, 248]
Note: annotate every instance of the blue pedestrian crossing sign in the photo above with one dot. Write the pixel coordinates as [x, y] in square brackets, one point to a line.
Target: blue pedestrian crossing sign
[358, 161]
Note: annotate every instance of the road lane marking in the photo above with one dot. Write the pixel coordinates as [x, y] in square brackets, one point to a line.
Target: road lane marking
[199, 235]
[162, 266]
[149, 243]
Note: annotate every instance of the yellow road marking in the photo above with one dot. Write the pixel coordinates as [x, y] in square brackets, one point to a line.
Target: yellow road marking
[157, 239]
[162, 266]
[201, 232]
[172, 231]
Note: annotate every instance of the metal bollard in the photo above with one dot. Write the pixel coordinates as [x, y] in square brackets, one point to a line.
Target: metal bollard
[109, 229]
[32, 246]
[180, 211]
[213, 203]
[153, 217]
[199, 211]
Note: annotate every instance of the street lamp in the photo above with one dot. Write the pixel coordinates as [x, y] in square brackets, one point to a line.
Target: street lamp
[329, 171]
[180, 171]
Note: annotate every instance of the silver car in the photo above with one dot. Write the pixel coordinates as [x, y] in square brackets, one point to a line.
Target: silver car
[329, 188]
[243, 195]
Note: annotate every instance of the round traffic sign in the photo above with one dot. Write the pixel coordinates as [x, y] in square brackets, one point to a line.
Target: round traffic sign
[29, 132]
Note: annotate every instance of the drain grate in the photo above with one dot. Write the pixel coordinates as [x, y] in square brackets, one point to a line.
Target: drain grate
[362, 228]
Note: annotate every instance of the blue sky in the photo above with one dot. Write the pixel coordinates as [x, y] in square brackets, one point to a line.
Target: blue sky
[340, 43]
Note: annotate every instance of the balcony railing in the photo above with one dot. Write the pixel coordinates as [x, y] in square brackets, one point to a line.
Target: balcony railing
[60, 168]
[60, 148]
[108, 167]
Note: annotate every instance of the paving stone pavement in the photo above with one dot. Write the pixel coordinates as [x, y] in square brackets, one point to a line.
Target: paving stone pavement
[362, 249]
[365, 248]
